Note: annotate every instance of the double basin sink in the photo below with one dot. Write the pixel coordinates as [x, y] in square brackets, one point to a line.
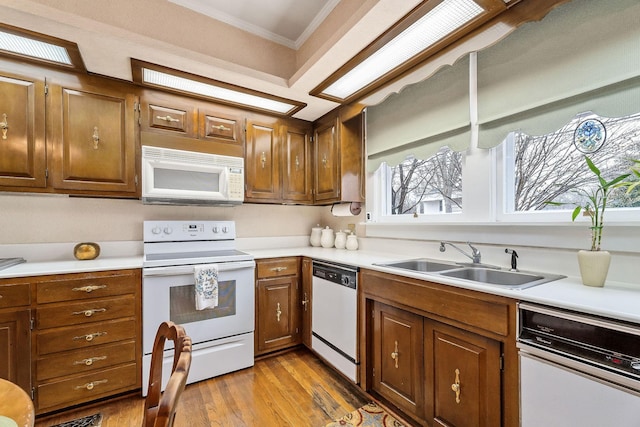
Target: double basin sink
[477, 273]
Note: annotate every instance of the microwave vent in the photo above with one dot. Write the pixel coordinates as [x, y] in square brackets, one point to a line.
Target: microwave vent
[191, 157]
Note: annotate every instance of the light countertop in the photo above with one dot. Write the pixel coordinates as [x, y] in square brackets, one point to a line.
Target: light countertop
[615, 300]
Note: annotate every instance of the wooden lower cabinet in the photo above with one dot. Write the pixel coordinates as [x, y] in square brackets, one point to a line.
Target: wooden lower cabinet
[441, 355]
[306, 300]
[398, 358]
[14, 345]
[464, 375]
[278, 321]
[87, 337]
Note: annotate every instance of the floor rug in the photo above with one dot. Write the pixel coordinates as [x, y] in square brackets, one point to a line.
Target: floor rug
[370, 415]
[94, 420]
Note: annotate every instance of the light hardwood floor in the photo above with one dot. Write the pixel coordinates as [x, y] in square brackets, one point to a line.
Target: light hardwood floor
[293, 389]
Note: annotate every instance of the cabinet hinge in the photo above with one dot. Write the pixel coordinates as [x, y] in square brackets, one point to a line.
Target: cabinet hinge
[46, 173]
[297, 330]
[502, 362]
[310, 139]
[46, 89]
[32, 323]
[33, 393]
[373, 372]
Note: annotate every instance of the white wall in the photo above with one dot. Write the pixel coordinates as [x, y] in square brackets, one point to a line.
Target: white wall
[54, 219]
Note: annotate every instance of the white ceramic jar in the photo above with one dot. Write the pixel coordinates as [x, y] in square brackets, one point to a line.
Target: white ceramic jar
[316, 233]
[327, 238]
[341, 239]
[352, 242]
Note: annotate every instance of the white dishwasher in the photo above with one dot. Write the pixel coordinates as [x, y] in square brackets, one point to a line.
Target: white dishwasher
[334, 316]
[577, 370]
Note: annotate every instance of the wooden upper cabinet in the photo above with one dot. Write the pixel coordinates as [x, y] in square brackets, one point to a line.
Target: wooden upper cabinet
[296, 178]
[327, 170]
[22, 132]
[91, 133]
[262, 162]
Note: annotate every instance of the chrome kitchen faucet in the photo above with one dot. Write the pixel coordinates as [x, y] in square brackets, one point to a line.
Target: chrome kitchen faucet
[475, 253]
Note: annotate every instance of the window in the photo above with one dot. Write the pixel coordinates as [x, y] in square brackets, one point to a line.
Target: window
[551, 167]
[431, 186]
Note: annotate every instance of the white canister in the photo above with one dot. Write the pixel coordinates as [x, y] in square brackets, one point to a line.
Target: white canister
[352, 242]
[316, 232]
[341, 239]
[327, 238]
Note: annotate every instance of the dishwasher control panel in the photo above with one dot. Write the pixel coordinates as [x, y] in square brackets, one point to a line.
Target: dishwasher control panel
[336, 273]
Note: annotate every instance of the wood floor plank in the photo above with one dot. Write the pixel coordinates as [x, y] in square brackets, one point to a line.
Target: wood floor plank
[293, 389]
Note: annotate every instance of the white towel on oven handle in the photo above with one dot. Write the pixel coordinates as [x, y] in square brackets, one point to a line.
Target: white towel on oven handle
[206, 277]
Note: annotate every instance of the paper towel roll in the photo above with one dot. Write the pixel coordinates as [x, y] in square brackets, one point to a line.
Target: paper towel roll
[346, 209]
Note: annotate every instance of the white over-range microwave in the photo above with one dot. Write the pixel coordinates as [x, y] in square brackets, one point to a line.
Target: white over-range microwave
[179, 177]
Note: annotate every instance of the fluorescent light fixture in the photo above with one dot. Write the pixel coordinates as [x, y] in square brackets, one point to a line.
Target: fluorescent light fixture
[25, 44]
[441, 21]
[177, 81]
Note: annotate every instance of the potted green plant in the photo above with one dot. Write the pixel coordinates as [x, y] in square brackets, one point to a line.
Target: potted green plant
[594, 263]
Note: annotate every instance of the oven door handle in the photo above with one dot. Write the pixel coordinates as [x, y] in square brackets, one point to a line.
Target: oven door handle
[177, 270]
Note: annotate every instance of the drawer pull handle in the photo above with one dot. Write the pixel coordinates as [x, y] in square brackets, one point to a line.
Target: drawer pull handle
[167, 118]
[278, 269]
[91, 385]
[4, 125]
[89, 337]
[278, 312]
[89, 361]
[90, 312]
[395, 354]
[90, 288]
[456, 386]
[221, 127]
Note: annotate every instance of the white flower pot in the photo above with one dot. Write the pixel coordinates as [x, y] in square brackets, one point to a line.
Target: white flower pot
[594, 266]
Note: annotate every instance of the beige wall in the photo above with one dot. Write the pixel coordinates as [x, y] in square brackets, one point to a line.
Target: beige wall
[55, 219]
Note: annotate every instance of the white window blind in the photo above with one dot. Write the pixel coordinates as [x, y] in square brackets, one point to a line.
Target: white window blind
[584, 56]
[421, 119]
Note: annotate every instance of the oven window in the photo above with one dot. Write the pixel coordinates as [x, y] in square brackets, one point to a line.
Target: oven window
[182, 303]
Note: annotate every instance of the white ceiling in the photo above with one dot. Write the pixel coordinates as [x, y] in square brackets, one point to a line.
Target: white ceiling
[288, 22]
[281, 47]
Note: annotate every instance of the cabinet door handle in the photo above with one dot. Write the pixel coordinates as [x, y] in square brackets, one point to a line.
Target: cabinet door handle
[95, 137]
[91, 385]
[89, 337]
[324, 161]
[167, 118]
[278, 312]
[305, 301]
[88, 289]
[263, 159]
[89, 360]
[90, 312]
[456, 386]
[278, 269]
[395, 354]
[297, 164]
[221, 127]
[4, 125]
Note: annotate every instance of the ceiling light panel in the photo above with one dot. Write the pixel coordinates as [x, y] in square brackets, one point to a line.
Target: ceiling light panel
[438, 23]
[202, 87]
[33, 48]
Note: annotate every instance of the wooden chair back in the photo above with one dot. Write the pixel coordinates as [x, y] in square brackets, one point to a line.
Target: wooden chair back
[160, 408]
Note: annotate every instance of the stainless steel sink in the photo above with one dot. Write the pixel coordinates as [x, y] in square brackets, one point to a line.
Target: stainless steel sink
[477, 273]
[420, 265]
[508, 279]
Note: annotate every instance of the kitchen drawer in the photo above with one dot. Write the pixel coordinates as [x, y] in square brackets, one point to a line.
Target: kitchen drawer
[221, 128]
[83, 388]
[12, 295]
[85, 360]
[168, 118]
[76, 337]
[56, 315]
[277, 267]
[88, 285]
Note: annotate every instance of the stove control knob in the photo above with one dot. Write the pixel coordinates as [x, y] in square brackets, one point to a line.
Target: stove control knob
[156, 230]
[225, 230]
[168, 230]
[215, 230]
[635, 365]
